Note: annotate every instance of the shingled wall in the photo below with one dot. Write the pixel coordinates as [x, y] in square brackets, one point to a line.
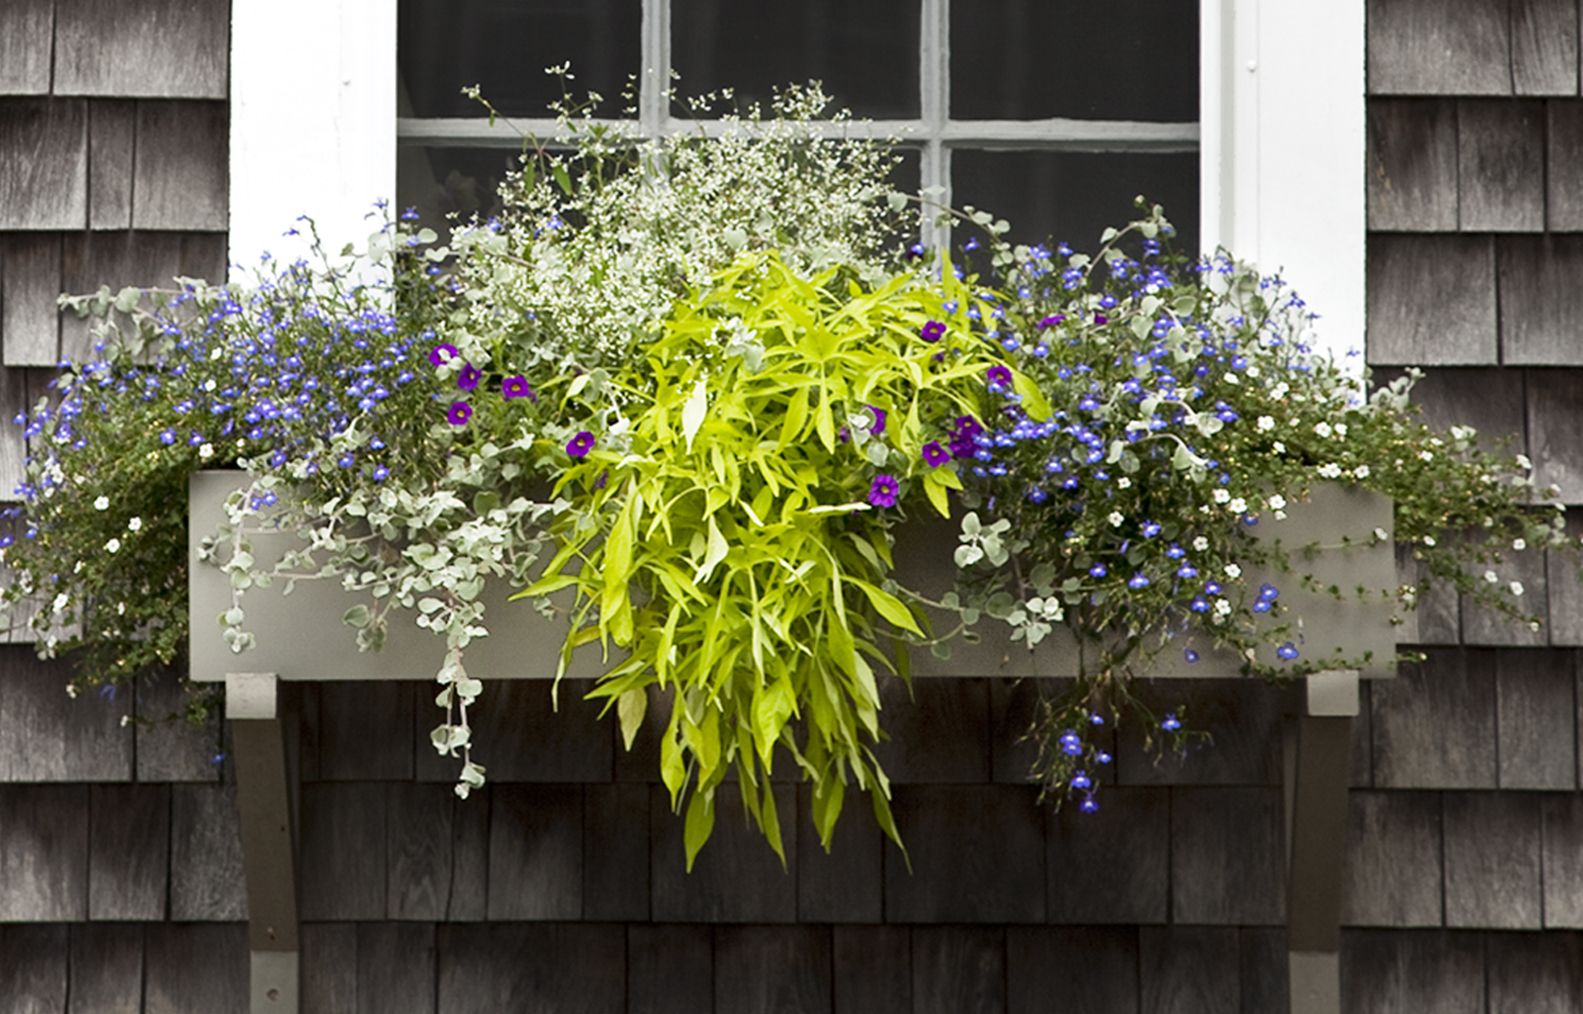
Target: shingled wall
[560, 886]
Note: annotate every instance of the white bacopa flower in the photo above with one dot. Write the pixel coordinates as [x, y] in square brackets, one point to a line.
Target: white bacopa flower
[126, 720]
[1221, 494]
[71, 689]
[113, 546]
[1519, 544]
[59, 605]
[1533, 625]
[1341, 430]
[1200, 544]
[1237, 505]
[1429, 540]
[1516, 588]
[1362, 471]
[1232, 570]
[1524, 463]
[1124, 483]
[134, 524]
[206, 451]
[1322, 428]
[1222, 607]
[1381, 535]
[1491, 576]
[102, 503]
[1330, 470]
[1426, 455]
[1277, 502]
[1280, 515]
[1265, 423]
[1279, 447]
[1115, 519]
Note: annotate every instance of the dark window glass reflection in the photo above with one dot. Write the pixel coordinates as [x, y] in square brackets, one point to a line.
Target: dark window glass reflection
[1073, 197]
[866, 54]
[442, 181]
[504, 46]
[1110, 60]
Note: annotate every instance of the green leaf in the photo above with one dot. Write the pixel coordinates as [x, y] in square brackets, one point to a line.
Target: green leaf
[700, 823]
[357, 616]
[631, 706]
[694, 411]
[888, 606]
[562, 180]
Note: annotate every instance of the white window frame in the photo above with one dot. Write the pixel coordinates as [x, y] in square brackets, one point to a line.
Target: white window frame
[1280, 139]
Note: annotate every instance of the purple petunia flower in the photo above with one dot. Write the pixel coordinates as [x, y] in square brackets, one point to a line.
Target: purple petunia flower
[580, 445]
[964, 441]
[934, 455]
[882, 493]
[879, 421]
[517, 387]
[468, 379]
[442, 354]
[1052, 320]
[932, 331]
[998, 377]
[1100, 318]
[460, 412]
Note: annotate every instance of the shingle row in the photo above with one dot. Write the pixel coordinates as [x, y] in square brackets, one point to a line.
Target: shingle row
[129, 48]
[1472, 47]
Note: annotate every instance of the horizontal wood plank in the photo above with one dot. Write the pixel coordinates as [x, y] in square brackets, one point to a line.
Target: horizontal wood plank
[736, 878]
[958, 970]
[1129, 836]
[1096, 968]
[670, 970]
[342, 852]
[872, 969]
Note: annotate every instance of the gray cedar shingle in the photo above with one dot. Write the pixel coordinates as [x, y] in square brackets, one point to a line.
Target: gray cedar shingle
[46, 736]
[939, 732]
[179, 166]
[670, 969]
[33, 969]
[1434, 724]
[142, 48]
[520, 735]
[1242, 717]
[395, 968]
[419, 839]
[1535, 697]
[1263, 969]
[1534, 973]
[1393, 971]
[536, 852]
[1362, 766]
[29, 285]
[25, 44]
[1565, 588]
[986, 841]
[1555, 410]
[1438, 618]
[1013, 705]
[1564, 165]
[348, 710]
[1438, 47]
[1412, 158]
[737, 878]
[845, 884]
[1500, 165]
[117, 259]
[872, 968]
[341, 855]
[1562, 856]
[194, 967]
[470, 858]
[43, 164]
[13, 450]
[568, 968]
[1227, 856]
[206, 882]
[616, 852]
[129, 852]
[1484, 625]
[329, 968]
[1539, 300]
[1393, 869]
[106, 962]
[111, 143]
[1545, 47]
[1188, 970]
[1490, 399]
[958, 970]
[170, 748]
[1130, 838]
[1431, 299]
[1492, 860]
[768, 969]
[43, 853]
[1095, 969]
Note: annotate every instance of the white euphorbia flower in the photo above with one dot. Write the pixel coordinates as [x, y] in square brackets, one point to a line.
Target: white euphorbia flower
[102, 503]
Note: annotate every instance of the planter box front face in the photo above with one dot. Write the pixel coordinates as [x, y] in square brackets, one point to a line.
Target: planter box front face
[300, 636]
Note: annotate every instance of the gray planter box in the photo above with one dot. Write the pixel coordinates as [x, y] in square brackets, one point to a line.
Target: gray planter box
[301, 637]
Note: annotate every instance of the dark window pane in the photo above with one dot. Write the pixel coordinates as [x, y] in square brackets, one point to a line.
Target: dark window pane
[1074, 196]
[439, 181]
[867, 58]
[504, 46]
[1106, 60]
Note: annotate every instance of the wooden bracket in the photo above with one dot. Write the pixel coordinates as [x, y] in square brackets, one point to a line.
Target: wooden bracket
[1318, 763]
[252, 706]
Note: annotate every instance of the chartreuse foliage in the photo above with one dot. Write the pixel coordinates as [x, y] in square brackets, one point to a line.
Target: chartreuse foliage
[733, 551]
